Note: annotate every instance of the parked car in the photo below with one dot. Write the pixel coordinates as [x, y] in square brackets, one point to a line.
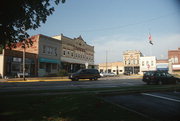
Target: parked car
[104, 74]
[159, 77]
[85, 74]
[126, 73]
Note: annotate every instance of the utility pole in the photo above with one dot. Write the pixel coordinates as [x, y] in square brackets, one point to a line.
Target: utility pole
[106, 61]
[24, 54]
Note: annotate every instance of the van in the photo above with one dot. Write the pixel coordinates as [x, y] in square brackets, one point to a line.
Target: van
[85, 74]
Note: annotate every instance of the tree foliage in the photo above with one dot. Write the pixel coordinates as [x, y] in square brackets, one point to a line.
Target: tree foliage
[18, 16]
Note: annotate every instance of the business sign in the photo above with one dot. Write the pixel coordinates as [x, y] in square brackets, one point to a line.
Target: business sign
[46, 60]
[162, 67]
[176, 67]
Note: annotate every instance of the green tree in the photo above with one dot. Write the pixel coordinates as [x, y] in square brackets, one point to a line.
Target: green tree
[18, 16]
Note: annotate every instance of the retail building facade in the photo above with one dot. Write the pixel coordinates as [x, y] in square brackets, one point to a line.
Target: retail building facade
[174, 60]
[131, 60]
[75, 54]
[147, 63]
[41, 59]
[115, 67]
[47, 56]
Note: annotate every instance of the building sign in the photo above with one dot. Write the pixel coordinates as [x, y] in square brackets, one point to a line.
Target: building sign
[48, 60]
[17, 59]
[176, 67]
[162, 67]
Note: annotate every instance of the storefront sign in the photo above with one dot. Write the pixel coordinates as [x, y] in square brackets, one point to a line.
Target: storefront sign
[45, 60]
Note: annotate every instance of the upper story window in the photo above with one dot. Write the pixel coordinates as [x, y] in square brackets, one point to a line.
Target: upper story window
[49, 50]
[152, 63]
[142, 63]
[64, 52]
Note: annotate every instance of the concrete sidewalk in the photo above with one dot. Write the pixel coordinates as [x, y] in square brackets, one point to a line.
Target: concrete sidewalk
[35, 79]
[40, 79]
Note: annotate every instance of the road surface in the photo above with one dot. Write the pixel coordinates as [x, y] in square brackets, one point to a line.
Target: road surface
[164, 106]
[82, 84]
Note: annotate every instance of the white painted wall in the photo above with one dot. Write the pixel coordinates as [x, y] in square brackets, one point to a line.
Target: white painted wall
[147, 63]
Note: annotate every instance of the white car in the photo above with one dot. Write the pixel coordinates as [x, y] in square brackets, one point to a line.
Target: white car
[104, 74]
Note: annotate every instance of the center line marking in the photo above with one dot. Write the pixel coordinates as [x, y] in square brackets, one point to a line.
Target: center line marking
[161, 97]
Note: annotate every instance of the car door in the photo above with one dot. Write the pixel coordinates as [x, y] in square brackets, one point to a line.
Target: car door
[83, 74]
[163, 78]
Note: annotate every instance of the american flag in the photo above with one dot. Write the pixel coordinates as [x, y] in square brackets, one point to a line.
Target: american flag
[150, 39]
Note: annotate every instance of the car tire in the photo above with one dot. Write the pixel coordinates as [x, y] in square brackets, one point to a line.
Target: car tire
[95, 78]
[75, 79]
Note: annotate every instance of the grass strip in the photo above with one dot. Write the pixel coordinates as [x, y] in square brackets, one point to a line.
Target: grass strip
[77, 107]
[130, 89]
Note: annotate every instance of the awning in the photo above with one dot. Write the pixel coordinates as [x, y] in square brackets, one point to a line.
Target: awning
[46, 60]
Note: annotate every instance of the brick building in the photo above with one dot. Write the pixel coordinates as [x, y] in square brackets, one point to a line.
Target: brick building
[41, 59]
[174, 60]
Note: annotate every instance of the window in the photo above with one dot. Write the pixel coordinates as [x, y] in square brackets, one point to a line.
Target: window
[152, 64]
[54, 66]
[42, 65]
[142, 63]
[44, 49]
[147, 63]
[72, 54]
[64, 52]
[15, 67]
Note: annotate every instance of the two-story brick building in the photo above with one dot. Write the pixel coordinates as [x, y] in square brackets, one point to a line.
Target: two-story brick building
[174, 60]
[41, 59]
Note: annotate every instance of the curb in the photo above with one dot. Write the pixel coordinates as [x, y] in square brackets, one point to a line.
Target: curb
[40, 80]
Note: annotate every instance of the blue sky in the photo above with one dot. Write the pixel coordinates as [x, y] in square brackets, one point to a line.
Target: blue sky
[118, 25]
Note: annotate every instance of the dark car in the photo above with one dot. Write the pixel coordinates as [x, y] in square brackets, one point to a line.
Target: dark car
[85, 74]
[159, 77]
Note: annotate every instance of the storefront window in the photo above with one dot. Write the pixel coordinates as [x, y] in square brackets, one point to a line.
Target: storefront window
[42, 65]
[54, 66]
[16, 67]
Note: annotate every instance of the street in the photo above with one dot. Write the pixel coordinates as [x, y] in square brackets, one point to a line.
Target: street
[161, 106]
[54, 85]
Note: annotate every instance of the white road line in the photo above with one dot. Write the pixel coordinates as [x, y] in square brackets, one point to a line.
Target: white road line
[166, 98]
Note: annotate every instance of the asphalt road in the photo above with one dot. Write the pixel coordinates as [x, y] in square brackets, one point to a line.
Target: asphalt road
[101, 83]
[164, 106]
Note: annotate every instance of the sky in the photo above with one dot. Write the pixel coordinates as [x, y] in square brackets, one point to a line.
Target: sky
[114, 26]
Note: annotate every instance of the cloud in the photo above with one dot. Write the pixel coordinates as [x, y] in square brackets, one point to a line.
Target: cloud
[117, 44]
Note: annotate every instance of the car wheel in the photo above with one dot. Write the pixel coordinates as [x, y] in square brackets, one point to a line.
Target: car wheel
[95, 78]
[76, 79]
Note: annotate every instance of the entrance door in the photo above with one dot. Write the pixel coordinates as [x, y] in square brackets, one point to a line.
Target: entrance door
[48, 67]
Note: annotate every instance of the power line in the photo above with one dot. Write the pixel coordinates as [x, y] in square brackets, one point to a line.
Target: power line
[130, 24]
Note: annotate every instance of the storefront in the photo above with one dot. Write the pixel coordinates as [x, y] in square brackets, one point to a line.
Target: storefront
[48, 67]
[131, 69]
[13, 62]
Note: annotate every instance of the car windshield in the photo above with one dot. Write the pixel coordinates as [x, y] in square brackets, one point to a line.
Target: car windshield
[169, 75]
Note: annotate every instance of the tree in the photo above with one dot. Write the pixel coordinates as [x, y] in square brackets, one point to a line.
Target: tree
[18, 16]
